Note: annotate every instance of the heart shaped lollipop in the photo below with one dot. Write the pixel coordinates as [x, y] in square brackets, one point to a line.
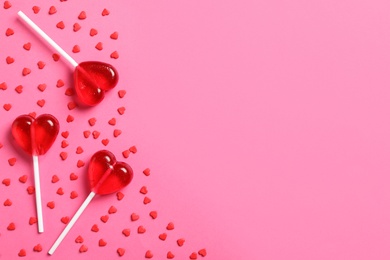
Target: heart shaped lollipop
[35, 136]
[91, 78]
[106, 176]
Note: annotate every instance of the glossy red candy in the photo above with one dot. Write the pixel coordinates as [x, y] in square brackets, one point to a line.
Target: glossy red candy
[92, 79]
[106, 175]
[35, 136]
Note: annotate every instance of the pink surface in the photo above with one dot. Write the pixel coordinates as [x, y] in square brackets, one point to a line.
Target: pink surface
[264, 123]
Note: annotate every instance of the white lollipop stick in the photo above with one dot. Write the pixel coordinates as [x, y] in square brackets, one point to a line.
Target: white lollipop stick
[48, 39]
[38, 199]
[71, 223]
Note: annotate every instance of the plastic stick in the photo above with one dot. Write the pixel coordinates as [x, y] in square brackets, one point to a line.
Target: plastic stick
[38, 198]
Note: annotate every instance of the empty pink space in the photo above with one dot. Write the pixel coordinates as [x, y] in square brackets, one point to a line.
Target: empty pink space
[264, 125]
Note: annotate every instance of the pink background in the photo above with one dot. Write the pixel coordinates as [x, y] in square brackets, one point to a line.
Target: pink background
[265, 125]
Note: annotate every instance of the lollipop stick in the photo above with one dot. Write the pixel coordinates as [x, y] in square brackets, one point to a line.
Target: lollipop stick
[48, 39]
[38, 199]
[71, 223]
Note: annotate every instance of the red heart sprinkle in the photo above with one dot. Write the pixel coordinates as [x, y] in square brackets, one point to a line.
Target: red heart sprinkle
[64, 155]
[60, 83]
[170, 226]
[148, 254]
[56, 57]
[26, 71]
[163, 236]
[112, 121]
[92, 121]
[80, 163]
[202, 252]
[76, 27]
[104, 218]
[83, 249]
[11, 226]
[41, 102]
[9, 60]
[27, 46]
[180, 241]
[6, 182]
[86, 133]
[7, 203]
[60, 191]
[36, 9]
[52, 10]
[9, 32]
[69, 119]
[72, 105]
[193, 256]
[117, 132]
[60, 25]
[121, 93]
[54, 178]
[64, 144]
[79, 239]
[105, 142]
[147, 171]
[74, 195]
[51, 205]
[65, 220]
[37, 248]
[99, 46]
[32, 220]
[95, 134]
[76, 49]
[93, 32]
[42, 87]
[95, 228]
[73, 176]
[65, 134]
[134, 217]
[3, 86]
[12, 161]
[7, 107]
[126, 153]
[102, 242]
[114, 36]
[23, 178]
[153, 214]
[141, 230]
[112, 210]
[82, 15]
[120, 195]
[41, 64]
[126, 232]
[7, 4]
[170, 255]
[105, 12]
[143, 190]
[22, 253]
[121, 251]
[79, 150]
[19, 89]
[114, 55]
[30, 189]
[147, 200]
[133, 149]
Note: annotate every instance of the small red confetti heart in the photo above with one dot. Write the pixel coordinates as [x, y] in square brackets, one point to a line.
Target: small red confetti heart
[65, 220]
[86, 133]
[42, 87]
[95, 134]
[56, 57]
[83, 249]
[60, 83]
[163, 236]
[7, 4]
[11, 226]
[121, 251]
[117, 132]
[170, 226]
[64, 155]
[93, 32]
[95, 228]
[79, 239]
[23, 178]
[134, 217]
[148, 254]
[112, 210]
[147, 171]
[32, 220]
[37, 248]
[52, 10]
[133, 149]
[72, 105]
[60, 25]
[143, 190]
[9, 60]
[30, 190]
[73, 176]
[180, 241]
[27, 46]
[104, 218]
[120, 195]
[193, 256]
[22, 253]
[170, 255]
[114, 36]
[64, 144]
[105, 142]
[105, 12]
[76, 27]
[202, 252]
[7, 107]
[102, 242]
[141, 230]
[9, 32]
[7, 203]
[41, 64]
[69, 119]
[153, 214]
[51, 205]
[19, 89]
[114, 55]
[82, 15]
[60, 191]
[26, 71]
[92, 121]
[99, 46]
[12, 161]
[147, 200]
[121, 93]
[112, 121]
[41, 102]
[74, 195]
[54, 178]
[36, 9]
[126, 153]
[76, 49]
[6, 182]
[79, 150]
[126, 232]
[80, 164]
[65, 134]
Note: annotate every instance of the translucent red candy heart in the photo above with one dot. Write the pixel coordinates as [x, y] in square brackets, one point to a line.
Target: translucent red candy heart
[35, 135]
[106, 175]
[92, 79]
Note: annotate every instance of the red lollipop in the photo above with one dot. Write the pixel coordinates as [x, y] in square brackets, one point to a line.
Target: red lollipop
[91, 78]
[106, 176]
[35, 136]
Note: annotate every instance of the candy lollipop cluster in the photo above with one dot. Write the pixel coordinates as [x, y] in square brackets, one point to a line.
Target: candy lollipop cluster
[36, 135]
